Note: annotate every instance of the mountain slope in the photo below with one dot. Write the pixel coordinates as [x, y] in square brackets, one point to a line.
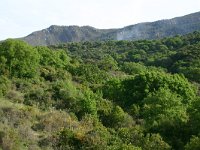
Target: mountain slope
[60, 34]
[159, 29]
[150, 30]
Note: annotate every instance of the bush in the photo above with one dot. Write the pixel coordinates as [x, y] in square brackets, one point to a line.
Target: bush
[5, 85]
[15, 96]
[22, 60]
[194, 144]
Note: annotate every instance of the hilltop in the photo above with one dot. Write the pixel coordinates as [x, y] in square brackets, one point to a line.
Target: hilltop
[148, 30]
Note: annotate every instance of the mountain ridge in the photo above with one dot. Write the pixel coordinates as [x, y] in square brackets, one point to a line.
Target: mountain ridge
[146, 30]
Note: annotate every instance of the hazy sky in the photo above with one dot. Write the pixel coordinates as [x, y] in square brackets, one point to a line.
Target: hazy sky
[21, 17]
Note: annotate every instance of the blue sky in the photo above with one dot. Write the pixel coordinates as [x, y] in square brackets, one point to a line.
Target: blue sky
[19, 18]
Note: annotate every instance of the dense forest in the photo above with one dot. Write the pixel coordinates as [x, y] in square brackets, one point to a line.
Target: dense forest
[109, 95]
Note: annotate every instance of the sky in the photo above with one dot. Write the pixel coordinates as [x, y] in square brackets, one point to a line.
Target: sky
[19, 18]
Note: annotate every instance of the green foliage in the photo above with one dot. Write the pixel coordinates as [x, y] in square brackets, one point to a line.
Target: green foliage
[118, 118]
[88, 103]
[146, 142]
[133, 68]
[194, 121]
[163, 106]
[128, 147]
[187, 61]
[155, 141]
[175, 42]
[90, 73]
[57, 59]
[39, 96]
[101, 95]
[99, 138]
[67, 140]
[194, 144]
[108, 63]
[53, 74]
[5, 85]
[19, 59]
[133, 90]
[137, 88]
[112, 89]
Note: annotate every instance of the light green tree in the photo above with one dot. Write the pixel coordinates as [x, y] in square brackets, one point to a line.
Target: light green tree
[19, 59]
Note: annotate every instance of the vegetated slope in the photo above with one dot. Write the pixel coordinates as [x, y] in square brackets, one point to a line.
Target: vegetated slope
[101, 95]
[179, 54]
[151, 30]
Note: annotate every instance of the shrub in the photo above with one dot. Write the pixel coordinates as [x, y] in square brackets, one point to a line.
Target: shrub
[5, 85]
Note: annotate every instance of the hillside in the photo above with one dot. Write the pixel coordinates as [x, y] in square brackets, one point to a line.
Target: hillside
[159, 29]
[61, 34]
[150, 30]
[101, 95]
